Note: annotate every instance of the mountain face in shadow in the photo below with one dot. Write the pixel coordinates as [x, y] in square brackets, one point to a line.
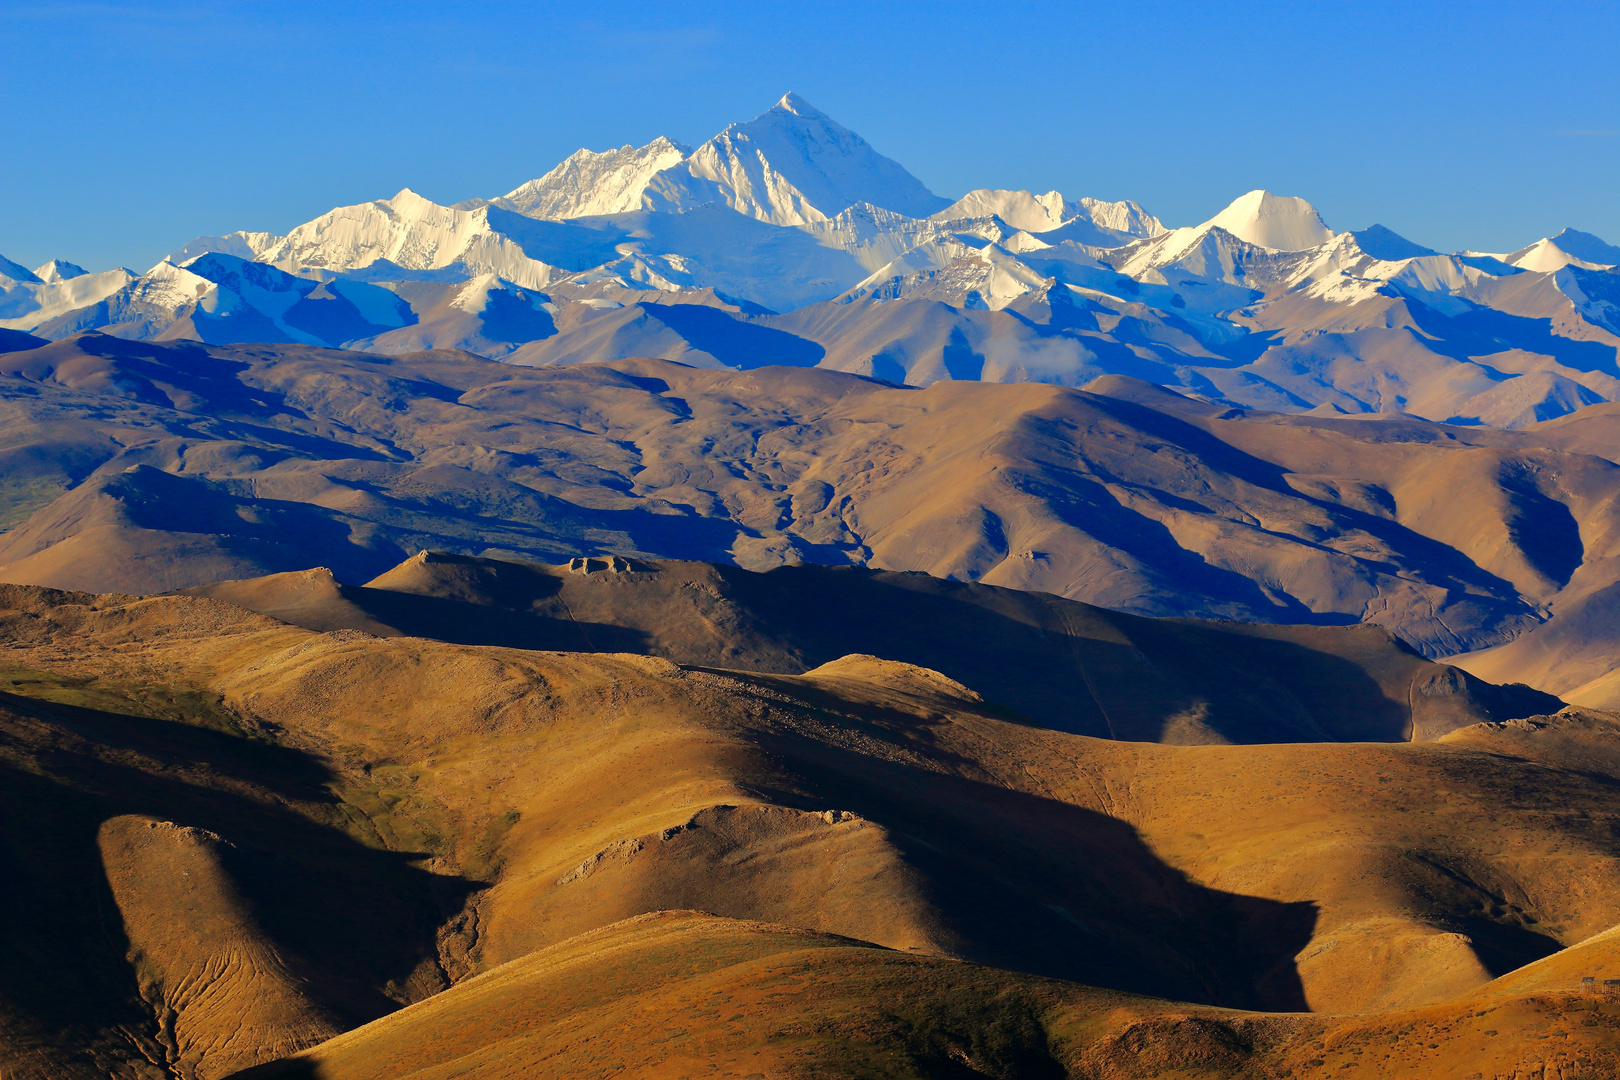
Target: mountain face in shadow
[145, 467]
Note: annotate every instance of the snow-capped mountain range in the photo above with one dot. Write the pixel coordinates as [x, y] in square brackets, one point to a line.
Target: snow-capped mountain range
[789, 239]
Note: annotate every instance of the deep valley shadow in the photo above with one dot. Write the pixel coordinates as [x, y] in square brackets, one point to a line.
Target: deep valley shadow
[1037, 885]
[352, 920]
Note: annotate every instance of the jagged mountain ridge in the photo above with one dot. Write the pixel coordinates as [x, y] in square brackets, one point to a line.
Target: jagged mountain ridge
[796, 242]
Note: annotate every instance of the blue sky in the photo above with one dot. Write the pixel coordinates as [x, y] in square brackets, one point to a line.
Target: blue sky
[130, 128]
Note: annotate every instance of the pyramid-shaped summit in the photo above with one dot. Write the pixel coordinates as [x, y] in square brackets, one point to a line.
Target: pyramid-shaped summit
[1281, 222]
[791, 165]
[828, 167]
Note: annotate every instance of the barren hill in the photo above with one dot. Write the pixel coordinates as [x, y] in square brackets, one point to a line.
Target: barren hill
[145, 467]
[333, 824]
[1065, 664]
[685, 993]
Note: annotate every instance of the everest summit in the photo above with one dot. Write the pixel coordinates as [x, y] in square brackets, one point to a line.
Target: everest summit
[788, 239]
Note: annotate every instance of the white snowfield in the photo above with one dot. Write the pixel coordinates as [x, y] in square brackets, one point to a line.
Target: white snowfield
[790, 239]
[587, 183]
[1043, 213]
[29, 298]
[409, 232]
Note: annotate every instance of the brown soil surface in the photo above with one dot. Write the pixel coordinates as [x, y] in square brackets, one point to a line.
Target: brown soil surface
[361, 822]
[1062, 663]
[147, 466]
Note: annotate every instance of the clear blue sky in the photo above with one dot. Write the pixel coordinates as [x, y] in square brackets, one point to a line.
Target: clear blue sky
[128, 128]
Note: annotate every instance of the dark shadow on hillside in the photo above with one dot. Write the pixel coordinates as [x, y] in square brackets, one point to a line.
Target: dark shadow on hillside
[1073, 667]
[1419, 549]
[1054, 662]
[1482, 331]
[1041, 886]
[1246, 349]
[466, 623]
[1503, 947]
[1545, 531]
[349, 918]
[731, 340]
[202, 383]
[294, 1069]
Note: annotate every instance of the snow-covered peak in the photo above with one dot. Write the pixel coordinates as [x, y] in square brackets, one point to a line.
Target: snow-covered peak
[172, 285]
[409, 232]
[480, 294]
[26, 300]
[1207, 252]
[16, 273]
[793, 103]
[1388, 245]
[589, 182]
[1279, 222]
[1123, 216]
[1021, 243]
[1587, 247]
[1021, 209]
[409, 204]
[1545, 256]
[1569, 248]
[1110, 223]
[56, 271]
[985, 278]
[791, 165]
[244, 245]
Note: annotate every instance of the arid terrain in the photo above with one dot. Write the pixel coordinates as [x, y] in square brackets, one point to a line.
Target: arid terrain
[673, 594]
[146, 467]
[235, 839]
[429, 716]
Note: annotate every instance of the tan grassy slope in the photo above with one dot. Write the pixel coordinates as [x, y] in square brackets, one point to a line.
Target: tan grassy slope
[685, 994]
[1573, 654]
[147, 466]
[1576, 654]
[1065, 664]
[395, 814]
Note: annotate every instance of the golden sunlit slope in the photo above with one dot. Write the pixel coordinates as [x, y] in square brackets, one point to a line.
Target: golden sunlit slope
[142, 466]
[1065, 664]
[687, 994]
[183, 896]
[1576, 654]
[1597, 958]
[358, 822]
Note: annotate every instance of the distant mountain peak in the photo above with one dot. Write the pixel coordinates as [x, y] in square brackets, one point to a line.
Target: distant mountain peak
[792, 165]
[1279, 222]
[1091, 221]
[246, 245]
[1586, 247]
[58, 270]
[16, 271]
[796, 105]
[588, 183]
[407, 197]
[1387, 244]
[1570, 247]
